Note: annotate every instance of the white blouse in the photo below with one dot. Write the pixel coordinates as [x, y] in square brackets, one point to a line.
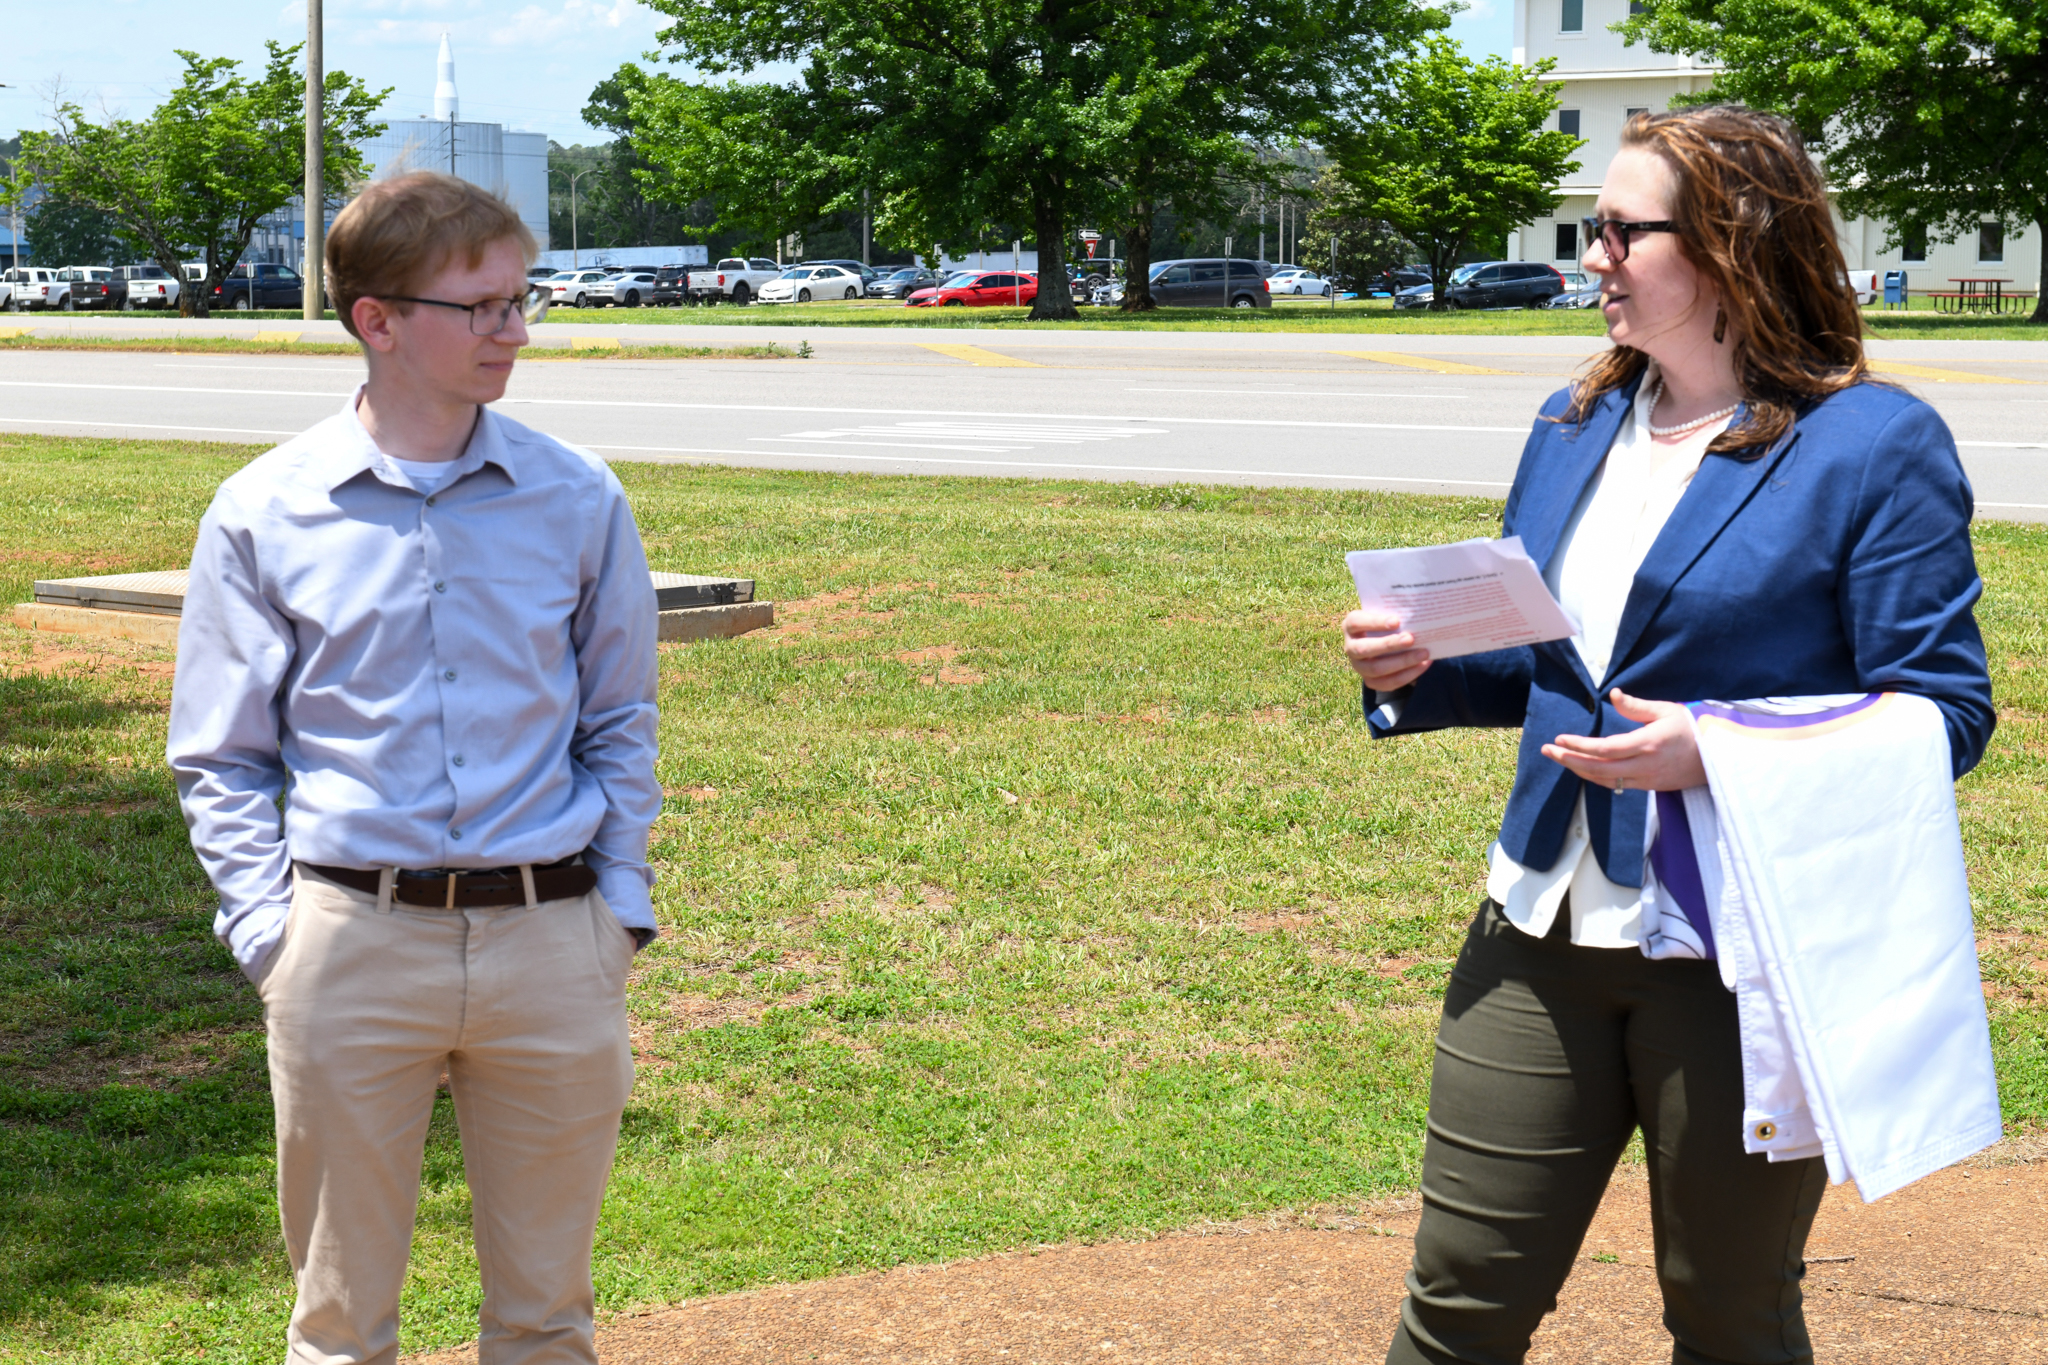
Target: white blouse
[1609, 535]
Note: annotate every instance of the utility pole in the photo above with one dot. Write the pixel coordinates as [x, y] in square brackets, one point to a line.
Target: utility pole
[867, 228]
[312, 292]
[14, 218]
[1333, 272]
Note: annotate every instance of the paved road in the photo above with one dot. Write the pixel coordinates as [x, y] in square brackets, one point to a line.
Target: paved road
[1425, 414]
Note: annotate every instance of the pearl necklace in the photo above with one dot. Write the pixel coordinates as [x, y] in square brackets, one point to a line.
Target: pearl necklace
[1694, 425]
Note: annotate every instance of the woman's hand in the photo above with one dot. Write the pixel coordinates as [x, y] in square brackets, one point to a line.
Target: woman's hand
[1663, 756]
[1381, 653]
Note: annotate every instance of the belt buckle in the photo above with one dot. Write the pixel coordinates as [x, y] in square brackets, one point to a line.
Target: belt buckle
[451, 890]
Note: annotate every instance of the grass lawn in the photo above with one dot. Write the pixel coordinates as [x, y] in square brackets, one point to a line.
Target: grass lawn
[1032, 880]
[1375, 316]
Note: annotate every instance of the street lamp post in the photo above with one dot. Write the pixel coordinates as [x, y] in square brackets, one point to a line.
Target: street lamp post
[14, 217]
[575, 248]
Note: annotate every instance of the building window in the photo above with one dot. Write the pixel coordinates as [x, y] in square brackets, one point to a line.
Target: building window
[1567, 241]
[1574, 19]
[1628, 114]
[1913, 243]
[1990, 243]
[1636, 7]
[1568, 121]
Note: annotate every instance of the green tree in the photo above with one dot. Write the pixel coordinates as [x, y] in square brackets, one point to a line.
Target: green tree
[754, 151]
[1932, 115]
[1366, 246]
[196, 176]
[964, 124]
[1453, 152]
[66, 232]
[572, 172]
[632, 201]
[1197, 88]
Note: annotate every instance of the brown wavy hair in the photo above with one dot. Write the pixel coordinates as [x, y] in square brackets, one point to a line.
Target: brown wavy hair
[1753, 217]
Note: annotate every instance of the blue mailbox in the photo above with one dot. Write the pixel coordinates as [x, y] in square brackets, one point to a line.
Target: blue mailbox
[1894, 288]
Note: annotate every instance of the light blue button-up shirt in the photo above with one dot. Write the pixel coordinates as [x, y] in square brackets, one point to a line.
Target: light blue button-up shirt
[457, 679]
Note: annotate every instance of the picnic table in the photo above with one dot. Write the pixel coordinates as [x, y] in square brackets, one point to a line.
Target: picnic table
[1981, 294]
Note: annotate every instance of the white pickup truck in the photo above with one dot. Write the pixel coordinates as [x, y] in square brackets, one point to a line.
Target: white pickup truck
[734, 280]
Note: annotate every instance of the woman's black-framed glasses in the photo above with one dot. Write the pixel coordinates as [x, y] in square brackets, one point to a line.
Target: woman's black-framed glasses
[1614, 235]
[488, 317]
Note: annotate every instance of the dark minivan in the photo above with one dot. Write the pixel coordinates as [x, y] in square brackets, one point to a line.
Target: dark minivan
[1210, 282]
[1506, 284]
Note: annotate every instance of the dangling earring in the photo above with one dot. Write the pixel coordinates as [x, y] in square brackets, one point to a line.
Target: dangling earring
[1720, 324]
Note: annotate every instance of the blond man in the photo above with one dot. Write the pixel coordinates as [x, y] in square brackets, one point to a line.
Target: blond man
[429, 630]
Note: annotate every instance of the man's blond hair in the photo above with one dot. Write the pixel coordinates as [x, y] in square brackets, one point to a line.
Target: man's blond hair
[400, 231]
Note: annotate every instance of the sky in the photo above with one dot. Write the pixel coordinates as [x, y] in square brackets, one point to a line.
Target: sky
[528, 64]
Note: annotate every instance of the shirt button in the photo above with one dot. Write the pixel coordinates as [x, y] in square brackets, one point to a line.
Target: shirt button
[455, 834]
[458, 760]
[449, 675]
[430, 502]
[440, 586]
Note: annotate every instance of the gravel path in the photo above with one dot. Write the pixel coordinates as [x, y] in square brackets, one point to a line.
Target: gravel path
[1952, 1269]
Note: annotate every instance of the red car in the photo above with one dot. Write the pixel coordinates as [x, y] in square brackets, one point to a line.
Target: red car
[978, 289]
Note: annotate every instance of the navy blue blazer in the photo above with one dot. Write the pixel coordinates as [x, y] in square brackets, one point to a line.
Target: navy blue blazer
[1837, 561]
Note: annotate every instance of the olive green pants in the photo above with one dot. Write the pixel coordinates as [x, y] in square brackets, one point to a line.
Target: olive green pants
[1548, 1059]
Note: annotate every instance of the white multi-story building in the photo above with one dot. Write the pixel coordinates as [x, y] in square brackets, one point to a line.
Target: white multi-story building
[1602, 81]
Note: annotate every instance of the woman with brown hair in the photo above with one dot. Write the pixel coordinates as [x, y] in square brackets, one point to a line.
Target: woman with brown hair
[1728, 507]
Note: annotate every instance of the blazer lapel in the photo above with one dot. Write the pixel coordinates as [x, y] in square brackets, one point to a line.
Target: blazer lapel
[1547, 506]
[1720, 489]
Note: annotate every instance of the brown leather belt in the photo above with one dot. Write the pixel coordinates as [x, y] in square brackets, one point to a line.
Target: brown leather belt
[466, 888]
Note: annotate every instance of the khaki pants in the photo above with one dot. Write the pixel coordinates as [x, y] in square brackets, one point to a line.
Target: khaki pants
[525, 1007]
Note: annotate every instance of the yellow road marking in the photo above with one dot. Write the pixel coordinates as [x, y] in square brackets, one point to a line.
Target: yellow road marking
[286, 337]
[1422, 362]
[1899, 367]
[975, 355]
[593, 343]
[17, 331]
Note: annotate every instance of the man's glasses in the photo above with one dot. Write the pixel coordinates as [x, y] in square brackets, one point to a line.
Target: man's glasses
[1614, 235]
[491, 316]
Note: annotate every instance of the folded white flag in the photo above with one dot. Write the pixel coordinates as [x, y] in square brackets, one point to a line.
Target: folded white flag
[1823, 866]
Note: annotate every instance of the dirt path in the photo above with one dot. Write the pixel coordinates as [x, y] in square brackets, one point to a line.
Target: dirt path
[1953, 1269]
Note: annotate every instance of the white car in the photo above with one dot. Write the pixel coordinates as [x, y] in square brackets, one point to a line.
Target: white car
[630, 289]
[1295, 280]
[804, 283]
[34, 287]
[580, 288]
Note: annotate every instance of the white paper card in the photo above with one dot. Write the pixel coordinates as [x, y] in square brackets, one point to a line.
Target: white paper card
[1464, 598]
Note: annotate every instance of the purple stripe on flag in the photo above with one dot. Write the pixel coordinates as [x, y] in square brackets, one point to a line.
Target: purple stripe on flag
[1758, 720]
[1678, 867]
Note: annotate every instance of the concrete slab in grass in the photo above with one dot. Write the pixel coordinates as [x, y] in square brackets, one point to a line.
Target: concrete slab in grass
[107, 625]
[714, 623]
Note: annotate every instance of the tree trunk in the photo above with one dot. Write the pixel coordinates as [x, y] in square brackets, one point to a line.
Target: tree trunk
[1443, 259]
[1054, 301]
[2041, 299]
[1138, 260]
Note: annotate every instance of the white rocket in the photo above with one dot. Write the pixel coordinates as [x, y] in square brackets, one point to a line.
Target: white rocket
[445, 104]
